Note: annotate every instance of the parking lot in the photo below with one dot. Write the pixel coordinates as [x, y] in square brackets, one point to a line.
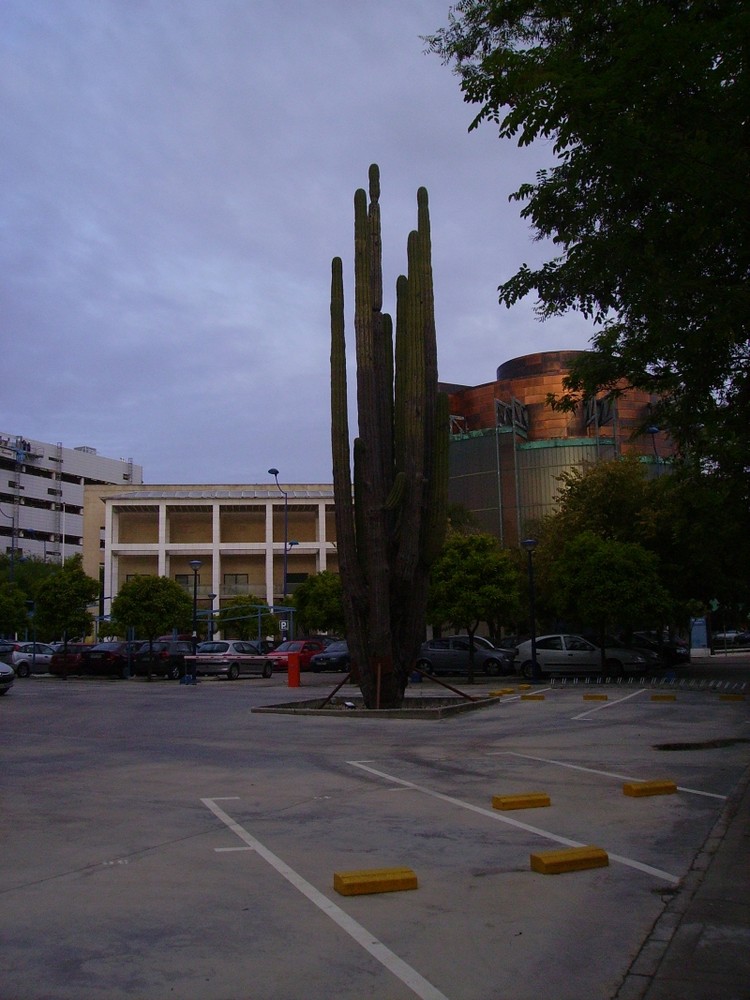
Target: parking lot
[161, 840]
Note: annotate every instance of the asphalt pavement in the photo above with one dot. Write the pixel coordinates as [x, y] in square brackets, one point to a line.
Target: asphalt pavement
[168, 841]
[699, 948]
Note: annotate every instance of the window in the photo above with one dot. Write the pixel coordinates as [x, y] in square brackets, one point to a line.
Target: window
[550, 642]
[577, 643]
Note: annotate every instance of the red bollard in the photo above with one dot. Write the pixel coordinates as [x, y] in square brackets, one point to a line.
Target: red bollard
[293, 670]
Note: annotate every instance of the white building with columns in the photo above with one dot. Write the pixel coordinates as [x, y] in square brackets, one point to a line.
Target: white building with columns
[259, 540]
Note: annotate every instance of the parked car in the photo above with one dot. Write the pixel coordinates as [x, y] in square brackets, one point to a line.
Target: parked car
[110, 658]
[672, 652]
[335, 656]
[304, 648]
[728, 637]
[163, 657]
[7, 676]
[69, 661]
[572, 654]
[31, 657]
[450, 655]
[6, 651]
[229, 658]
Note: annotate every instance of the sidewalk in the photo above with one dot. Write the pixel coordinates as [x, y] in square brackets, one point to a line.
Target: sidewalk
[699, 949]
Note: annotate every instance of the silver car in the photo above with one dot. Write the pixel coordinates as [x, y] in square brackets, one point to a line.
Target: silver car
[572, 654]
[7, 676]
[228, 658]
[450, 655]
[32, 657]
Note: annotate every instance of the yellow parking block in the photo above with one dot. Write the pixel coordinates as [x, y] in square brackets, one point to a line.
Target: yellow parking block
[571, 859]
[595, 697]
[359, 883]
[530, 800]
[501, 692]
[532, 697]
[663, 697]
[637, 789]
[731, 697]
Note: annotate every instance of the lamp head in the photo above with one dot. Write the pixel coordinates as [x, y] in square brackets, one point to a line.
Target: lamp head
[195, 565]
[529, 544]
[273, 472]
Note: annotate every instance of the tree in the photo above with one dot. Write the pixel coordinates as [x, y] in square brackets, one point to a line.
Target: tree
[151, 606]
[607, 498]
[319, 603]
[13, 615]
[645, 106]
[694, 522]
[603, 583]
[247, 617]
[474, 580]
[63, 601]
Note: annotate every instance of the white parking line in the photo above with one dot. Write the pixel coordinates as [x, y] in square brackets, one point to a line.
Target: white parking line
[608, 704]
[593, 770]
[500, 818]
[409, 976]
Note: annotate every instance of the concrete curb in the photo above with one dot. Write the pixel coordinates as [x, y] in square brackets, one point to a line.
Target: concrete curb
[644, 970]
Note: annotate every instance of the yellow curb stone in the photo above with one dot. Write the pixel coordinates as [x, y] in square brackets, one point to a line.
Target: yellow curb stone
[530, 800]
[663, 697]
[532, 697]
[637, 789]
[572, 859]
[731, 697]
[595, 697]
[359, 883]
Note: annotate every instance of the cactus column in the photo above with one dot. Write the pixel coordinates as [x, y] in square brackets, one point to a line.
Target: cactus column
[391, 494]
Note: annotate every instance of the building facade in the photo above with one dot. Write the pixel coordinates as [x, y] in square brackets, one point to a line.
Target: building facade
[249, 540]
[42, 495]
[509, 447]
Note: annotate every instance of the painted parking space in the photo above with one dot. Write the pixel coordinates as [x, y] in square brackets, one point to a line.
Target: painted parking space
[146, 891]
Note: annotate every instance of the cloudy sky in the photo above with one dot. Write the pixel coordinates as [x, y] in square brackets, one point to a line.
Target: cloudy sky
[176, 176]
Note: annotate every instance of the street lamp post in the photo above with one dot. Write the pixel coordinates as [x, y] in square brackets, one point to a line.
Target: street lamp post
[530, 544]
[275, 474]
[195, 565]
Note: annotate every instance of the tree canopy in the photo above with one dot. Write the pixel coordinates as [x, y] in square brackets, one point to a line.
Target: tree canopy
[604, 583]
[320, 604]
[645, 106]
[691, 522]
[63, 601]
[474, 580]
[246, 617]
[152, 606]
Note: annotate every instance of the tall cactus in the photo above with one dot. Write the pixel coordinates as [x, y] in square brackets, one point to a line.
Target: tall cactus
[391, 499]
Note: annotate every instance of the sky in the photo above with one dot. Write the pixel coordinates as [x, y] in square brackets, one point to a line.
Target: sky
[176, 177]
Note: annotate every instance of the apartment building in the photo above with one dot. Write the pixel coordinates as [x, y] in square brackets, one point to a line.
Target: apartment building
[42, 495]
[227, 541]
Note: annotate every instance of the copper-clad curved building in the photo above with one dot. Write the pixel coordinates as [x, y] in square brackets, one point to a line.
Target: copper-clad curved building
[509, 447]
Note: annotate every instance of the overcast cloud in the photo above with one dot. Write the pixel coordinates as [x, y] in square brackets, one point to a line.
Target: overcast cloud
[176, 177]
